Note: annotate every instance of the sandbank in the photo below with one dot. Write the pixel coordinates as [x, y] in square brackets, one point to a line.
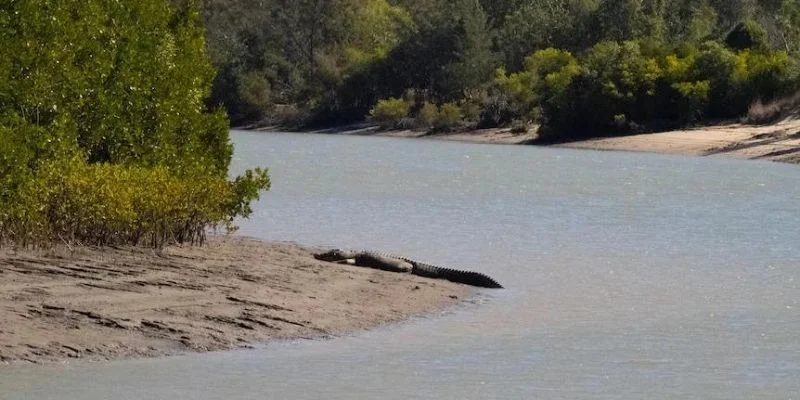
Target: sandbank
[85, 303]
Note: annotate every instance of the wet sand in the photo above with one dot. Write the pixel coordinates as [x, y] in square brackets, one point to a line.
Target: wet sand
[97, 304]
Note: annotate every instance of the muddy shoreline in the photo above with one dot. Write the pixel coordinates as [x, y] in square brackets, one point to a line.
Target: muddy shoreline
[100, 304]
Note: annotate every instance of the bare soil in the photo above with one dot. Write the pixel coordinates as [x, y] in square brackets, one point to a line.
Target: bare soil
[97, 304]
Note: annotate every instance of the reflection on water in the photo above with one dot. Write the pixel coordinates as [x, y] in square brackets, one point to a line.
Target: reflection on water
[629, 276]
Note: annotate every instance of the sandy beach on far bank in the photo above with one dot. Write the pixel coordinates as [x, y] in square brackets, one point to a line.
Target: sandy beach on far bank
[774, 142]
[98, 304]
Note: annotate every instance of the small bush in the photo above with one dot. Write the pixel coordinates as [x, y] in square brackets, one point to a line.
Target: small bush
[427, 115]
[472, 105]
[254, 89]
[389, 112]
[471, 111]
[449, 116]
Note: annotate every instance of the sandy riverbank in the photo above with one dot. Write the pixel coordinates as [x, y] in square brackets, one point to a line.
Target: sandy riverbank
[775, 142]
[486, 136]
[233, 292]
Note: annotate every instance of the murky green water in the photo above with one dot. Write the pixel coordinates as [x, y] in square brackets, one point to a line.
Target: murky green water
[630, 276]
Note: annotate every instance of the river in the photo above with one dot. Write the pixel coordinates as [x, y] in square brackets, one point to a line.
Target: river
[629, 276]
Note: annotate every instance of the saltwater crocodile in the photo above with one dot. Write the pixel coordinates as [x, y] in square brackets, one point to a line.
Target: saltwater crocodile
[394, 263]
[366, 259]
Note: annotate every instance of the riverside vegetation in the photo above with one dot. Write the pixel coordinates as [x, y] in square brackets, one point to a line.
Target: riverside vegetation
[105, 136]
[576, 67]
[114, 114]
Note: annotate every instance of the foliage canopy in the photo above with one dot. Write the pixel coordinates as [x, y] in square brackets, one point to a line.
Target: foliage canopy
[105, 136]
[622, 65]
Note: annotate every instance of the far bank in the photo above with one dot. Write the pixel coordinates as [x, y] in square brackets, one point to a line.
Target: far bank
[774, 142]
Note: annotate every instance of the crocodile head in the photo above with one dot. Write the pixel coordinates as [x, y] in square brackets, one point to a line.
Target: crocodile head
[334, 255]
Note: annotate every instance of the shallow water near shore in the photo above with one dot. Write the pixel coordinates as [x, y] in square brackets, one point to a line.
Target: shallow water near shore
[628, 276]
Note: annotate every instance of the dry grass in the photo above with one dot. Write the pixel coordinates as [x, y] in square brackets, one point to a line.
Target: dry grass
[760, 113]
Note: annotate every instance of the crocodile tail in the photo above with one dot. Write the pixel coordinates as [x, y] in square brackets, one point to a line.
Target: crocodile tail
[426, 270]
[454, 275]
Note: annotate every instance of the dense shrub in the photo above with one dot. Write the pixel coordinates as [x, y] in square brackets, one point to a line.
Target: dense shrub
[715, 63]
[681, 97]
[72, 201]
[612, 91]
[133, 92]
[618, 88]
[764, 76]
[542, 84]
